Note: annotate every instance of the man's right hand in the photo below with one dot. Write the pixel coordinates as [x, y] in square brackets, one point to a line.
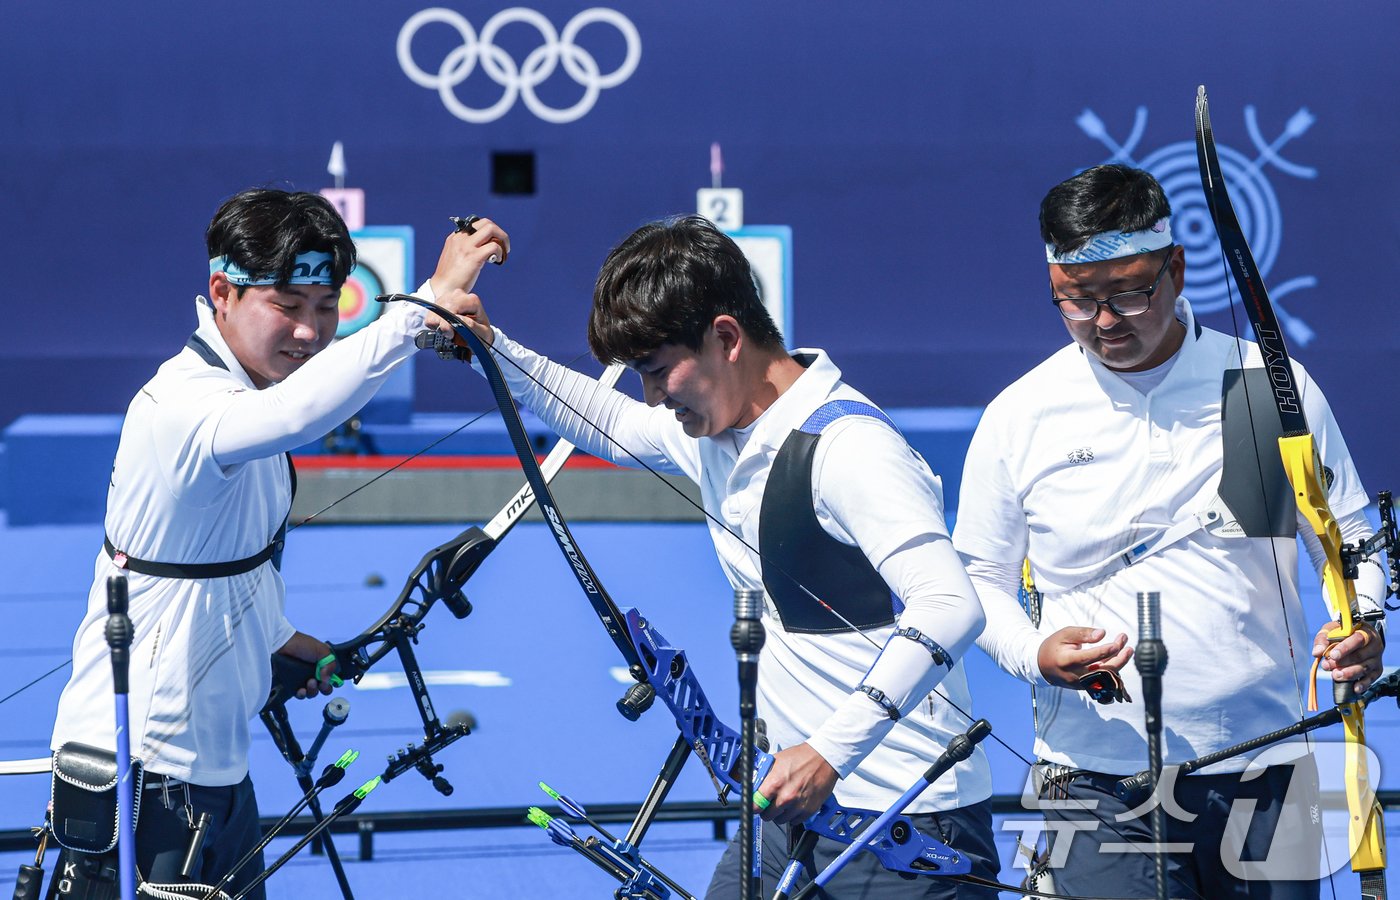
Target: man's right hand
[797, 785]
[465, 255]
[1066, 657]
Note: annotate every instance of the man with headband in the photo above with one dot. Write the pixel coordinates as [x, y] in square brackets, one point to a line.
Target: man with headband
[197, 505]
[812, 493]
[1134, 442]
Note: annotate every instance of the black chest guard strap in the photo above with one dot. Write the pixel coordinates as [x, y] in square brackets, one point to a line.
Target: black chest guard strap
[272, 551]
[797, 551]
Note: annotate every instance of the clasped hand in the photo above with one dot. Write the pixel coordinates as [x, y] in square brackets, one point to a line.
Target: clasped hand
[308, 649]
[1357, 658]
[797, 785]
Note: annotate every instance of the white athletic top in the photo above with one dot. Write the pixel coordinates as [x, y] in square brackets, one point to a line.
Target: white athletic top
[1071, 464]
[870, 490]
[199, 477]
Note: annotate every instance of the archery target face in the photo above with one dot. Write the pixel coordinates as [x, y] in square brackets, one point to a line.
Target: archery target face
[357, 304]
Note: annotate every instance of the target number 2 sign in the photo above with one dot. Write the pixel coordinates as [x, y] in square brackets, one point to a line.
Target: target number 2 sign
[723, 206]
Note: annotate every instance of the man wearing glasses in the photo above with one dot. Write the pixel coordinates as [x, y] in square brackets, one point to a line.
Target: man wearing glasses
[1137, 441]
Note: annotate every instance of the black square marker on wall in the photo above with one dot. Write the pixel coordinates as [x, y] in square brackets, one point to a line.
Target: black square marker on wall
[513, 173]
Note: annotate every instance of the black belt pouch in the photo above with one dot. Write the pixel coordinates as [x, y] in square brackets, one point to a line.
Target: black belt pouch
[85, 797]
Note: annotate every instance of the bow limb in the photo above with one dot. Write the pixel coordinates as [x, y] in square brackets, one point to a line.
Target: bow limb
[1297, 446]
[442, 571]
[1303, 467]
[598, 596]
[524, 499]
[439, 576]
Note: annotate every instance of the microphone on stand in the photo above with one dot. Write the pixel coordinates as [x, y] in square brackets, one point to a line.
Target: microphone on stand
[747, 637]
[119, 637]
[1150, 656]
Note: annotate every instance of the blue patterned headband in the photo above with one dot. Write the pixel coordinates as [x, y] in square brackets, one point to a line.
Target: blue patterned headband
[1116, 245]
[315, 267]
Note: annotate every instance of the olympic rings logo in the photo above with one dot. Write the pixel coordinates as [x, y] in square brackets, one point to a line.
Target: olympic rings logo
[518, 80]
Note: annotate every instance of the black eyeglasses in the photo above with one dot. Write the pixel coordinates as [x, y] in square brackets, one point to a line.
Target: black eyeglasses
[1128, 303]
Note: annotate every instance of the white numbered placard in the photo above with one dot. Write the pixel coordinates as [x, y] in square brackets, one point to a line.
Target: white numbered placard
[723, 206]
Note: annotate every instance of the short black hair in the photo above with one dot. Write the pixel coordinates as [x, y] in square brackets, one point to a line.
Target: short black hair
[666, 283]
[1104, 198]
[263, 230]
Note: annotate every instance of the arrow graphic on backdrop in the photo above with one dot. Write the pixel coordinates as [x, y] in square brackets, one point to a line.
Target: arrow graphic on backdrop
[1261, 219]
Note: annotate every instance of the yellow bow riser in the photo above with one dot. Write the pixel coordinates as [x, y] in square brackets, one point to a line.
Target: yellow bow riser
[1302, 465]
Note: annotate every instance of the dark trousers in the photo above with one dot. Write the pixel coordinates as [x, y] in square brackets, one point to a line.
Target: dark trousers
[163, 833]
[967, 830]
[1251, 836]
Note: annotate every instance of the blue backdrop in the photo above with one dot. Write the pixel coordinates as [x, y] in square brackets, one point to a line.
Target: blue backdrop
[907, 144]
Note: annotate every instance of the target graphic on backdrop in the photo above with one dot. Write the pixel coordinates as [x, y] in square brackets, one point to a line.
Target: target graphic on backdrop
[1175, 166]
[357, 304]
[1256, 206]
